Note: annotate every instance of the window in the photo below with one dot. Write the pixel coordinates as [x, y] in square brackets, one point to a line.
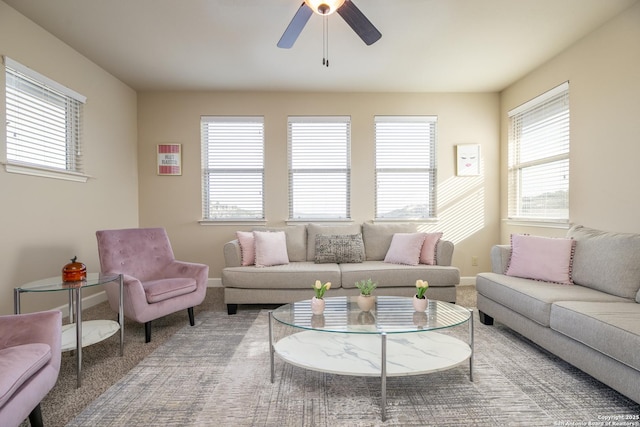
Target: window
[405, 167]
[44, 124]
[539, 158]
[319, 168]
[232, 168]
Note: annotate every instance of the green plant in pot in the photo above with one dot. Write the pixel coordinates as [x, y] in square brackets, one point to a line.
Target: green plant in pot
[420, 301]
[365, 300]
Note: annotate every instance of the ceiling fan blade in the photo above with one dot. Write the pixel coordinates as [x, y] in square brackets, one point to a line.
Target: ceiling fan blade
[359, 23]
[295, 26]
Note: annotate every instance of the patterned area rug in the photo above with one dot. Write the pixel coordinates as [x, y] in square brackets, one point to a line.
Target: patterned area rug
[218, 374]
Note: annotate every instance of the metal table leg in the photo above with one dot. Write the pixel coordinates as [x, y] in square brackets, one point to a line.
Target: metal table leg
[271, 349]
[383, 374]
[471, 345]
[78, 301]
[121, 315]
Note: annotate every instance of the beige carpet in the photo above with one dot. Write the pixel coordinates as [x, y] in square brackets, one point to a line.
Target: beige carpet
[103, 367]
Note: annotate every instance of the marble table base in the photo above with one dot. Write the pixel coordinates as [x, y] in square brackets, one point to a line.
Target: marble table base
[361, 354]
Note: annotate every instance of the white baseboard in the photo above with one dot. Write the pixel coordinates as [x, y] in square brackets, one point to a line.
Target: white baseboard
[100, 297]
[87, 302]
[468, 281]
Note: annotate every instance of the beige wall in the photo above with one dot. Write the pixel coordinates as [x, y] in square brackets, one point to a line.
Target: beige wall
[604, 74]
[44, 222]
[467, 206]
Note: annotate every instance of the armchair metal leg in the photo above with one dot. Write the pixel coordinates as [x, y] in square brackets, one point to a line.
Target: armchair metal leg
[232, 309]
[147, 331]
[192, 320]
[35, 417]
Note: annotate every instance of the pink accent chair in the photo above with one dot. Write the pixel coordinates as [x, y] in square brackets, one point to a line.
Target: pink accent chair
[29, 364]
[155, 284]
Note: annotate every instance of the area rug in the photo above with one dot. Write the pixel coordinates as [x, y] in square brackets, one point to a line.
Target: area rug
[216, 374]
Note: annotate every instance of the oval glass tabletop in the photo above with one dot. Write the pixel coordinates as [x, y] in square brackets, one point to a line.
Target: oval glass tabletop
[53, 284]
[389, 315]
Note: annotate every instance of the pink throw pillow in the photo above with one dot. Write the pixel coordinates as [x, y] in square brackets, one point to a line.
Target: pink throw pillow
[247, 247]
[541, 258]
[271, 248]
[405, 248]
[428, 252]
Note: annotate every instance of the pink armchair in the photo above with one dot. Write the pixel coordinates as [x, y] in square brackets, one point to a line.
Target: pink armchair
[155, 284]
[29, 364]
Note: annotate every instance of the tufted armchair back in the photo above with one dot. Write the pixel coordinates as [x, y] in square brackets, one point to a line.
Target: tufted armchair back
[139, 252]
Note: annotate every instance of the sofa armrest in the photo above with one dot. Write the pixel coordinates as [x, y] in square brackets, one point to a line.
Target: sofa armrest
[500, 255]
[39, 327]
[444, 253]
[232, 254]
[200, 272]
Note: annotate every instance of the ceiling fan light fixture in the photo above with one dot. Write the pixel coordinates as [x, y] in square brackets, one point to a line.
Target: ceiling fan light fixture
[324, 7]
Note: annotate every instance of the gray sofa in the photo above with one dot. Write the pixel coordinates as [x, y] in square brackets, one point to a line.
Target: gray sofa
[594, 324]
[293, 281]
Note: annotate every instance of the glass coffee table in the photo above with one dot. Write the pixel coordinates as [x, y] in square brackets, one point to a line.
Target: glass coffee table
[390, 340]
[78, 334]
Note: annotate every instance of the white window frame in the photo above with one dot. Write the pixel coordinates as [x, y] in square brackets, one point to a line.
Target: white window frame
[319, 159]
[44, 125]
[233, 158]
[538, 168]
[406, 168]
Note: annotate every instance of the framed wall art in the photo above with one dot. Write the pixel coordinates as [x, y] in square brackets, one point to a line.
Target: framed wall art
[169, 159]
[468, 159]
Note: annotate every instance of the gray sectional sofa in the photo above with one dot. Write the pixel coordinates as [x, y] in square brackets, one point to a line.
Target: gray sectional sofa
[594, 324]
[293, 281]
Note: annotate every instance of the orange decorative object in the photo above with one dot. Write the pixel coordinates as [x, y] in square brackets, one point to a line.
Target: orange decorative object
[74, 271]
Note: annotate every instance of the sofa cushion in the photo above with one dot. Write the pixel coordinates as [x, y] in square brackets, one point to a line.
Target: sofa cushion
[296, 275]
[18, 364]
[247, 247]
[377, 238]
[339, 248]
[296, 240]
[405, 248]
[164, 289]
[314, 229]
[394, 275]
[611, 328]
[271, 248]
[429, 248]
[533, 299]
[609, 262]
[541, 258]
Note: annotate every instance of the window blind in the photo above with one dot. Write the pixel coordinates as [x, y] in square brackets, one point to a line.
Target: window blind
[405, 167]
[44, 120]
[232, 168]
[319, 167]
[539, 143]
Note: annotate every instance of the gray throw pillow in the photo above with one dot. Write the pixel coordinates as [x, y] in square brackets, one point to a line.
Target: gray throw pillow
[339, 248]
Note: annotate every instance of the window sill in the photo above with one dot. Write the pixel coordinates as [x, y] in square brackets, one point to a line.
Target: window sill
[45, 172]
[240, 222]
[537, 223]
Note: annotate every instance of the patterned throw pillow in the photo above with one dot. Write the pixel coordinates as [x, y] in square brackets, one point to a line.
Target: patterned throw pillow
[339, 248]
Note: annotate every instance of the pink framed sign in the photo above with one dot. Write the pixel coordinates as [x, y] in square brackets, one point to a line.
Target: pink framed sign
[169, 159]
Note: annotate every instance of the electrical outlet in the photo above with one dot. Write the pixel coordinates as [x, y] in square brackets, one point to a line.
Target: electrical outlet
[474, 261]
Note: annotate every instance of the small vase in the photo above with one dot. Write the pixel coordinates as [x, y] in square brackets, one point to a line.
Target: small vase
[420, 304]
[420, 319]
[317, 305]
[317, 321]
[365, 302]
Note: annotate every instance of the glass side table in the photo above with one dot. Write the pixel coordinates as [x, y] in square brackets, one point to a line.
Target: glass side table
[88, 332]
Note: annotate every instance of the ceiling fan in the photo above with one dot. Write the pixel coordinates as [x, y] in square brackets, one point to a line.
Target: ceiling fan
[345, 8]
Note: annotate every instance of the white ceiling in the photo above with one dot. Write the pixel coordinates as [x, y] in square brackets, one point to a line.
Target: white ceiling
[426, 45]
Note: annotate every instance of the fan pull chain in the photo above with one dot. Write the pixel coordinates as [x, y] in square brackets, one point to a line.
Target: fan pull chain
[325, 40]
